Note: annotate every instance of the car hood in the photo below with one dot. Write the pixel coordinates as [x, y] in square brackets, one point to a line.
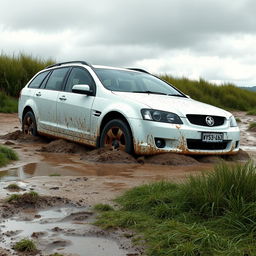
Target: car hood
[181, 106]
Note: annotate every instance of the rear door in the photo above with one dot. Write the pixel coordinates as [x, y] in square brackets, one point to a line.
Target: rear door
[46, 99]
[74, 109]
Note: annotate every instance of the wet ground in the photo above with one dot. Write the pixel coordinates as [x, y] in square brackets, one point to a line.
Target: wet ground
[86, 178]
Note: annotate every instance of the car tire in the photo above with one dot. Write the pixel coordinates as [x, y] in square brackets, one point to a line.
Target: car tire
[29, 126]
[117, 134]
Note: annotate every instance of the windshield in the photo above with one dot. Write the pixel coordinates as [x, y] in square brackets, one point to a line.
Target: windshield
[136, 82]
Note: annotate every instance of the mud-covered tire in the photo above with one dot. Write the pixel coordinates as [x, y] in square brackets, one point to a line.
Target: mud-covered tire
[29, 126]
[117, 134]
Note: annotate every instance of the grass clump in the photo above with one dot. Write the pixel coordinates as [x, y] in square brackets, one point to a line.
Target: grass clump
[252, 112]
[25, 245]
[54, 174]
[210, 214]
[13, 186]
[7, 155]
[103, 207]
[56, 254]
[30, 197]
[252, 126]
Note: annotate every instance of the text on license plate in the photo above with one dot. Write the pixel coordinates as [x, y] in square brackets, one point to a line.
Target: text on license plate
[212, 137]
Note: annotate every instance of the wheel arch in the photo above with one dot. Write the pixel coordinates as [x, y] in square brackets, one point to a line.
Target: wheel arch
[111, 116]
[26, 110]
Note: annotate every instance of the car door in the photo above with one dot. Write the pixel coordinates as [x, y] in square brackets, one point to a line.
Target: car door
[46, 99]
[74, 109]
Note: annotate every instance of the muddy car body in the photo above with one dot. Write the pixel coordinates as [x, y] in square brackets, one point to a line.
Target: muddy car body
[123, 108]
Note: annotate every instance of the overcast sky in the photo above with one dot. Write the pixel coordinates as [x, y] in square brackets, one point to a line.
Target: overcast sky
[212, 39]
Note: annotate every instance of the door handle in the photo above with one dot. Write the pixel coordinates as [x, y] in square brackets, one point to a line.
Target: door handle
[62, 98]
[38, 94]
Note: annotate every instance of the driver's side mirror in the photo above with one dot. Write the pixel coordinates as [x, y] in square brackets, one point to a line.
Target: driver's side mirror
[82, 89]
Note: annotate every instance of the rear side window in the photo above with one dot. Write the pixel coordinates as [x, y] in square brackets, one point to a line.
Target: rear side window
[56, 79]
[37, 81]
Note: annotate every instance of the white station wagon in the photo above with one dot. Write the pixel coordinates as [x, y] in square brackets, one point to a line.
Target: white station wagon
[128, 109]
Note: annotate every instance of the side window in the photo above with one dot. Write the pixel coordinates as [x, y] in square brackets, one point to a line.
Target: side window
[56, 79]
[36, 82]
[79, 76]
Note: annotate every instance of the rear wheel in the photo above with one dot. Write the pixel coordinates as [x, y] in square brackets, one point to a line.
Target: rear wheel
[117, 134]
[29, 126]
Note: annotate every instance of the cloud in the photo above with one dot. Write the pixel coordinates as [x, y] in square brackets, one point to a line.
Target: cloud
[213, 39]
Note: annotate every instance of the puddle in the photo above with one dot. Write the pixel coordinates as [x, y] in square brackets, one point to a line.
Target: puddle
[64, 230]
[48, 169]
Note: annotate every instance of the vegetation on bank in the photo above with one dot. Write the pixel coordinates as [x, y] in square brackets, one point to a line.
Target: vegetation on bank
[8, 104]
[17, 70]
[211, 214]
[227, 96]
[7, 155]
[25, 245]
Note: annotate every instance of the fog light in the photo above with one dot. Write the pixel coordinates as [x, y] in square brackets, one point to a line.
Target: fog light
[160, 143]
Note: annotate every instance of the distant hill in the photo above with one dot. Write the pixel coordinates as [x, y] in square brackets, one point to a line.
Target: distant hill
[253, 88]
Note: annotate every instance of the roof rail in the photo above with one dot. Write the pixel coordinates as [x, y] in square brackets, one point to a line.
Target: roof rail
[139, 70]
[69, 62]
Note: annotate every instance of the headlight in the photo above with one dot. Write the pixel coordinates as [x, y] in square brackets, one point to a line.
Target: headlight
[232, 121]
[160, 116]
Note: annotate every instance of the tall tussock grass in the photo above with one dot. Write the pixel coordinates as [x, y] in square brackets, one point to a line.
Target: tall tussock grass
[226, 96]
[17, 70]
[209, 214]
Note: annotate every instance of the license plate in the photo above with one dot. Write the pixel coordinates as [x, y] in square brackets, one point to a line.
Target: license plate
[212, 137]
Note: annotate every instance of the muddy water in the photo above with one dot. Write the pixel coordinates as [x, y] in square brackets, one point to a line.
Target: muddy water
[63, 230]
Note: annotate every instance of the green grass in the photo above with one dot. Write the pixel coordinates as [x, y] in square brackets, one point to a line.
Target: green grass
[103, 207]
[31, 196]
[8, 104]
[227, 96]
[54, 174]
[17, 70]
[238, 120]
[7, 155]
[211, 214]
[13, 186]
[252, 112]
[56, 254]
[25, 245]
[252, 125]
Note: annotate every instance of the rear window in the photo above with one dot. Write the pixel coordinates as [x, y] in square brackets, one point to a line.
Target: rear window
[37, 81]
[56, 79]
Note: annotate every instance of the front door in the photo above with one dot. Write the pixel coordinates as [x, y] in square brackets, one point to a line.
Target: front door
[74, 109]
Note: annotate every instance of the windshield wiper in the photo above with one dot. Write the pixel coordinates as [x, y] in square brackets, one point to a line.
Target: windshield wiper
[176, 95]
[151, 92]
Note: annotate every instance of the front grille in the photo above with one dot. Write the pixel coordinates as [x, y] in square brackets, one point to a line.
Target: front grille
[201, 120]
[200, 145]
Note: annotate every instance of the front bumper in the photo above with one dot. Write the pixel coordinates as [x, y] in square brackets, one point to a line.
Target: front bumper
[184, 139]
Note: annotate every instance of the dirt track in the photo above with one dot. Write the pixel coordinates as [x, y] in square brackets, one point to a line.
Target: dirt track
[87, 176]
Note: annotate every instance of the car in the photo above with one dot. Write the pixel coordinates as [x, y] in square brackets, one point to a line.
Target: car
[127, 109]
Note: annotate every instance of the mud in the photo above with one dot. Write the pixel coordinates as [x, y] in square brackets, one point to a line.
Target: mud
[86, 177]
[63, 146]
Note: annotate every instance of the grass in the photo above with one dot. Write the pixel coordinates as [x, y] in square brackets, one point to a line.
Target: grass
[54, 174]
[13, 186]
[8, 104]
[210, 214]
[227, 96]
[103, 207]
[238, 120]
[252, 125]
[17, 70]
[31, 196]
[25, 245]
[56, 254]
[252, 112]
[7, 155]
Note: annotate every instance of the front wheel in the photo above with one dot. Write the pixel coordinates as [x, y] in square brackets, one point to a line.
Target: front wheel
[29, 124]
[117, 134]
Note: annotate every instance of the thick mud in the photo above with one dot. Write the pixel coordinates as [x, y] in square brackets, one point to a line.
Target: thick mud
[83, 177]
